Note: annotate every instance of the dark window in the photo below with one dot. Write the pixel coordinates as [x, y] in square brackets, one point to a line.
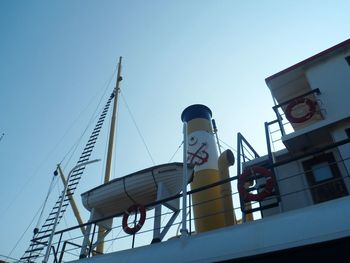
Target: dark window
[324, 178]
[348, 60]
[347, 131]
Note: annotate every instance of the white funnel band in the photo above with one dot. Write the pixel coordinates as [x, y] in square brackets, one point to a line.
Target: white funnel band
[202, 152]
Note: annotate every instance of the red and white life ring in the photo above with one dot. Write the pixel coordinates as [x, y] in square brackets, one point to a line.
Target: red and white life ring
[308, 114]
[242, 180]
[134, 209]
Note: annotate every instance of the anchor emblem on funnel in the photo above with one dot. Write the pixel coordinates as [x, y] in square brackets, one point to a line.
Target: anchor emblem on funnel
[200, 156]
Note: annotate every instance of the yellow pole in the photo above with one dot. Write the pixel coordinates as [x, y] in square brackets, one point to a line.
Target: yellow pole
[227, 159]
[112, 129]
[102, 230]
[72, 201]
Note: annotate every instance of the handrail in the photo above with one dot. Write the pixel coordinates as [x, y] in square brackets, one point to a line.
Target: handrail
[317, 91]
[278, 115]
[164, 200]
[270, 166]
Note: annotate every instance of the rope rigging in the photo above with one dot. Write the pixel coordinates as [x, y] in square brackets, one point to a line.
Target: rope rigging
[35, 248]
[178, 148]
[137, 128]
[93, 117]
[47, 156]
[227, 145]
[24, 232]
[52, 184]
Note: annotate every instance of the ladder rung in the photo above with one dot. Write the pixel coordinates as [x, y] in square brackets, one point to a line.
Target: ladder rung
[78, 170]
[96, 132]
[92, 137]
[88, 148]
[85, 156]
[83, 160]
[90, 142]
[44, 231]
[50, 219]
[34, 249]
[46, 225]
[75, 174]
[76, 178]
[55, 213]
[56, 207]
[87, 151]
[63, 210]
[72, 189]
[73, 184]
[31, 256]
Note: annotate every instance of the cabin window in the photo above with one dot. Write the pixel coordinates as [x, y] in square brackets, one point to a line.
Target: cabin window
[321, 172]
[347, 131]
[348, 60]
[324, 178]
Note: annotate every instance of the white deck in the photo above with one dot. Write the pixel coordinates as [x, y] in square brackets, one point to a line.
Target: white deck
[318, 223]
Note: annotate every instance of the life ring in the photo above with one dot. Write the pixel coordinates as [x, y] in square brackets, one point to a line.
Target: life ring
[311, 110]
[134, 209]
[262, 194]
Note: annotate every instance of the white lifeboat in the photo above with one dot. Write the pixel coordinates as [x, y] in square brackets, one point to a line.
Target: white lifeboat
[140, 187]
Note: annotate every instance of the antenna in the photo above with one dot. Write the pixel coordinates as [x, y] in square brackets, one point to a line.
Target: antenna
[216, 135]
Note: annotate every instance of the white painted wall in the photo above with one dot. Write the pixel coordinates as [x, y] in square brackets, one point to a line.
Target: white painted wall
[338, 133]
[332, 77]
[291, 182]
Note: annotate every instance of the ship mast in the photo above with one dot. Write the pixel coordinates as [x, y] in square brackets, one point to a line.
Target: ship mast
[113, 121]
[102, 230]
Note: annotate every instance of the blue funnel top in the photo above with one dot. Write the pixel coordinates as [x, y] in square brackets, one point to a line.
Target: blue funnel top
[196, 111]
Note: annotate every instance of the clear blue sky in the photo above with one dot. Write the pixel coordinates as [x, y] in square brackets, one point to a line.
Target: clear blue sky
[57, 56]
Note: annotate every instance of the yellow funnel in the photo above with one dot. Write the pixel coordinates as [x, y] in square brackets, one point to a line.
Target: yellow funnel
[208, 205]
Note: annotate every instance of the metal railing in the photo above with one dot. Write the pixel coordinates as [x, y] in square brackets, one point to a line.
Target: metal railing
[67, 242]
[283, 123]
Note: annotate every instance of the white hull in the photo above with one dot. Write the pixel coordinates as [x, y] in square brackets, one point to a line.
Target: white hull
[284, 232]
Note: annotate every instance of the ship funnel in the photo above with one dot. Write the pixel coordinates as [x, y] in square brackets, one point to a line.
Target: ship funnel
[208, 205]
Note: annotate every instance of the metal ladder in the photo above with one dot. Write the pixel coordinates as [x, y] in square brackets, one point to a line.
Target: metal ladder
[40, 239]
